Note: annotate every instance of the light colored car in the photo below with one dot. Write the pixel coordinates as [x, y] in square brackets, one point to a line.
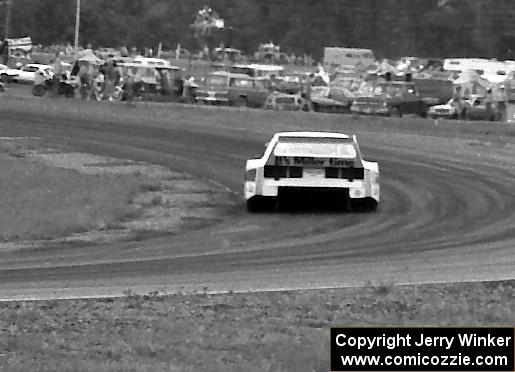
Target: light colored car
[313, 162]
[26, 74]
[447, 111]
[472, 108]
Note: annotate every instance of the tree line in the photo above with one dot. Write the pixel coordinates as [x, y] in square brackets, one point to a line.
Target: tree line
[392, 28]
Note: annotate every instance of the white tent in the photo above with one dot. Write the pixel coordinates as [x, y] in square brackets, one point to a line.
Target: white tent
[87, 55]
[470, 80]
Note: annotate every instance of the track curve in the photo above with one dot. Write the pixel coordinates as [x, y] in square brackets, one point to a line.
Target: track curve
[447, 213]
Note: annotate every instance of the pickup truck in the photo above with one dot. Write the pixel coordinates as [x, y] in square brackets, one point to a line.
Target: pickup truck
[391, 98]
[434, 91]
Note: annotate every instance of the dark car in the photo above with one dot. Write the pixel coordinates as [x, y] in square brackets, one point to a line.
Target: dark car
[247, 91]
[331, 100]
[434, 91]
[213, 89]
[477, 109]
[391, 98]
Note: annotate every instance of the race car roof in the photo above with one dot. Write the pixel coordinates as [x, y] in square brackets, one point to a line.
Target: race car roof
[313, 135]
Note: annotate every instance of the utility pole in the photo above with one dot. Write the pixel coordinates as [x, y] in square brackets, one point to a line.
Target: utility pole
[77, 26]
[7, 4]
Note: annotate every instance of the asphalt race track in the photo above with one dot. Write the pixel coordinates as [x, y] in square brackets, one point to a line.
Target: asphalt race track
[447, 214]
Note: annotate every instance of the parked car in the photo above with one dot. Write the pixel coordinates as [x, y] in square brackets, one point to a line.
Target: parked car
[391, 98]
[446, 111]
[477, 109]
[325, 99]
[26, 74]
[245, 91]
[473, 108]
[213, 89]
[434, 91]
[284, 102]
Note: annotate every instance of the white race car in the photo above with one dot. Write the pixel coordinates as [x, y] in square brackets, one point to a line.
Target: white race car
[312, 162]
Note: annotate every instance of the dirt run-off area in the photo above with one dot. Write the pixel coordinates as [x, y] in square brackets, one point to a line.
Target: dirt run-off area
[158, 201]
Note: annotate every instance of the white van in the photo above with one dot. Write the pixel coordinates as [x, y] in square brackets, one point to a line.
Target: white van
[337, 57]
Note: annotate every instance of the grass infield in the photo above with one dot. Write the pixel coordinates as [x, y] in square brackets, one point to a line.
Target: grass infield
[42, 202]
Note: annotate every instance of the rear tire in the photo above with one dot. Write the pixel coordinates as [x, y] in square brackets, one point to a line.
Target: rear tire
[242, 102]
[69, 92]
[258, 204]
[396, 112]
[6, 78]
[364, 205]
[38, 90]
[254, 204]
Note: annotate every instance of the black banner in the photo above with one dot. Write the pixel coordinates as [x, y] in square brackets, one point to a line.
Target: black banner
[422, 349]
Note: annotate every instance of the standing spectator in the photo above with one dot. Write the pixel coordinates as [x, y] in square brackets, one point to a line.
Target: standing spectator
[110, 76]
[307, 92]
[187, 94]
[489, 103]
[292, 58]
[457, 102]
[502, 103]
[272, 84]
[166, 83]
[59, 74]
[98, 84]
[69, 49]
[85, 79]
[205, 52]
[128, 86]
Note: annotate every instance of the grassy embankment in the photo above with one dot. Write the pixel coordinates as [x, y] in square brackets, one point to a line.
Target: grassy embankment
[283, 331]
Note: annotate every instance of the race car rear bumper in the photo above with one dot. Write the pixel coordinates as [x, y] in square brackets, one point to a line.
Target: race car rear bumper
[357, 189]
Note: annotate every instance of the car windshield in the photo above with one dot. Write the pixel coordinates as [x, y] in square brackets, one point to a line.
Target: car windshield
[390, 89]
[241, 83]
[216, 80]
[243, 70]
[320, 147]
